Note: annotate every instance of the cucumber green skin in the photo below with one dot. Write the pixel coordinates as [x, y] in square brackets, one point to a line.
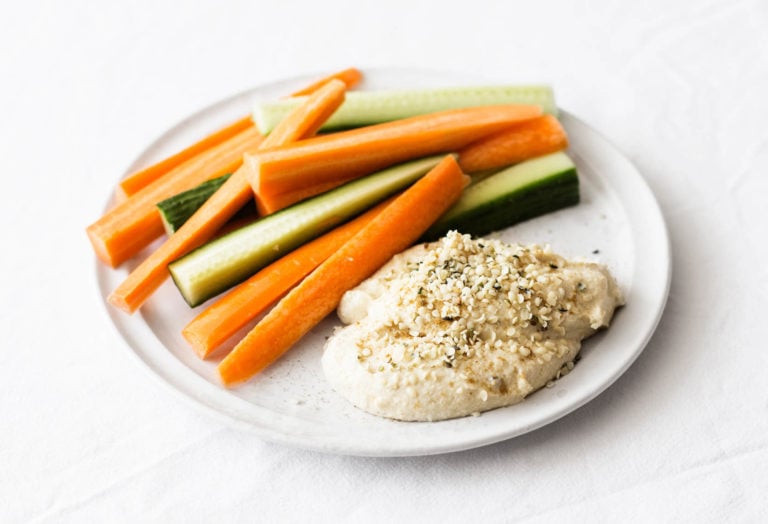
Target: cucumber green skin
[176, 210]
[362, 108]
[545, 195]
[232, 258]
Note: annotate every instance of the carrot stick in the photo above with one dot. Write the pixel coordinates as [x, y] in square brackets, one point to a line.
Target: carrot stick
[233, 311]
[224, 203]
[340, 157]
[397, 227]
[351, 77]
[522, 141]
[270, 204]
[140, 179]
[308, 118]
[123, 231]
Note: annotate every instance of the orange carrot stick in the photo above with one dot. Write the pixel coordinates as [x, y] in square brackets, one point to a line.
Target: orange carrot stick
[270, 204]
[397, 227]
[140, 179]
[233, 311]
[231, 196]
[339, 157]
[351, 77]
[123, 231]
[522, 141]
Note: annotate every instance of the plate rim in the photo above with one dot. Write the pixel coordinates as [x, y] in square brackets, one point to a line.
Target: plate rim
[125, 325]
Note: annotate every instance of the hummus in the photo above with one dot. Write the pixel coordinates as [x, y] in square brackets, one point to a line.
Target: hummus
[461, 326]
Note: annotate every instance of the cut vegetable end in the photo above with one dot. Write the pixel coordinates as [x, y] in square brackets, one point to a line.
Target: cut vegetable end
[99, 247]
[197, 343]
[120, 303]
[120, 195]
[113, 250]
[272, 204]
[351, 77]
[523, 141]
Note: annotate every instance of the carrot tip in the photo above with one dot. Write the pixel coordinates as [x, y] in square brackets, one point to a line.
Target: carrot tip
[120, 303]
[100, 248]
[120, 195]
[227, 379]
[350, 76]
[196, 343]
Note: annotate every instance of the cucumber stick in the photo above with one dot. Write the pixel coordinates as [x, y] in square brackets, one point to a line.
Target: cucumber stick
[232, 258]
[362, 108]
[523, 191]
[176, 210]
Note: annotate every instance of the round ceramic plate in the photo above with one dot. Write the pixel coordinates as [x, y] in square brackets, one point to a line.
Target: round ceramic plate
[618, 223]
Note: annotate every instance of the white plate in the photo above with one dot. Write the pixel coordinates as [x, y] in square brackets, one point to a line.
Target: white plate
[618, 223]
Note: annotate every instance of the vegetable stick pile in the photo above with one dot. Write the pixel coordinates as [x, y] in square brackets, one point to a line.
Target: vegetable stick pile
[334, 216]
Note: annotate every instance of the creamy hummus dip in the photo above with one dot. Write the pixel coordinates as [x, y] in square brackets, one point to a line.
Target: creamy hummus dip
[460, 326]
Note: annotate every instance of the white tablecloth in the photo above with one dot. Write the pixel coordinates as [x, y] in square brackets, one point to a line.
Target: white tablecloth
[87, 436]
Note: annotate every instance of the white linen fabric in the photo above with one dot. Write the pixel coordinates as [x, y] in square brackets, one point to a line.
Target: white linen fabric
[87, 436]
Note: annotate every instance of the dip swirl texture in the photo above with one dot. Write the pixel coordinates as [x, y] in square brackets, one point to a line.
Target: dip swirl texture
[464, 325]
